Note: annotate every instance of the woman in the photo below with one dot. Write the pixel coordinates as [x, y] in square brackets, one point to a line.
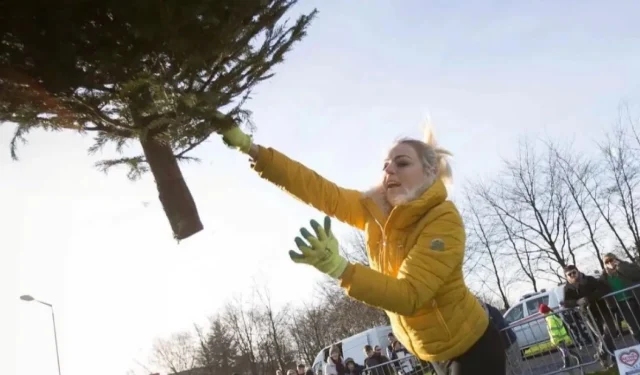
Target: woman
[415, 241]
[352, 367]
[334, 365]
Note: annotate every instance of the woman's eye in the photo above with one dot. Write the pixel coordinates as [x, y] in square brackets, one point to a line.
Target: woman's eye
[402, 164]
[385, 166]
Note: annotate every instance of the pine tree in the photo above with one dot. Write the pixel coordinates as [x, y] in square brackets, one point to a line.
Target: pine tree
[165, 73]
[219, 352]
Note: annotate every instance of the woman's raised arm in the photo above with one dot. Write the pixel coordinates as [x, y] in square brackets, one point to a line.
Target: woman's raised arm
[308, 186]
[300, 181]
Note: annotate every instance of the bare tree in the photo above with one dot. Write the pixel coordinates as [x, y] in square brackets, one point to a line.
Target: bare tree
[355, 249]
[176, 354]
[512, 231]
[574, 171]
[532, 196]
[624, 172]
[242, 322]
[483, 235]
[589, 178]
[309, 331]
[275, 329]
[345, 315]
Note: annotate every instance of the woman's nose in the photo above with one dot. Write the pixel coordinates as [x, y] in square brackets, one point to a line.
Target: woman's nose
[390, 169]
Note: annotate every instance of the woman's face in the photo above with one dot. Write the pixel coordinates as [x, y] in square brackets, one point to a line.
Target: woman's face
[350, 365]
[335, 356]
[610, 264]
[404, 175]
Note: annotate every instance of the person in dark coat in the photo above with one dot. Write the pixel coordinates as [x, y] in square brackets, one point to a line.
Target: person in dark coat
[352, 367]
[509, 339]
[375, 361]
[620, 275]
[586, 292]
[392, 339]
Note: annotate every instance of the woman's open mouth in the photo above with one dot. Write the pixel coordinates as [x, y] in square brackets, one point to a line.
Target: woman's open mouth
[393, 184]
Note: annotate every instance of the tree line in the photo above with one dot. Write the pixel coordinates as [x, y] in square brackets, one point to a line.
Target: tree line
[250, 336]
[551, 206]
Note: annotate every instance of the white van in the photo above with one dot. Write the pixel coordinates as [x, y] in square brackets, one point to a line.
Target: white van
[353, 347]
[526, 310]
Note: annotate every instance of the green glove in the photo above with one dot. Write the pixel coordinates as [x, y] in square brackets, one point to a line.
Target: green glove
[236, 138]
[323, 253]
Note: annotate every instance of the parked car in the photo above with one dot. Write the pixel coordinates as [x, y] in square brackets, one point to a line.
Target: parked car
[524, 318]
[353, 346]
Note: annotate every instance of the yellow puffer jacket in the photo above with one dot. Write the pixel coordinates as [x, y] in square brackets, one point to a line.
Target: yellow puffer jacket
[416, 255]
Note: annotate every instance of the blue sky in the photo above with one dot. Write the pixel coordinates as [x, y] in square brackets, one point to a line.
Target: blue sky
[487, 73]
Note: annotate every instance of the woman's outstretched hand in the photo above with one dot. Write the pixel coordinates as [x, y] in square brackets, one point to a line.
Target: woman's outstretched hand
[321, 251]
[236, 138]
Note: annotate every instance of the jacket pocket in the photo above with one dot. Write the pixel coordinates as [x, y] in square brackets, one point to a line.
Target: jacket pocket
[441, 320]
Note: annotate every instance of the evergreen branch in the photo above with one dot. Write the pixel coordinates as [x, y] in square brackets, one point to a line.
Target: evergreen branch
[18, 137]
[137, 166]
[98, 114]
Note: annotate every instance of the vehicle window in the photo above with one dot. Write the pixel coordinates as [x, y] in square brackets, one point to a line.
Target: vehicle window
[534, 304]
[516, 313]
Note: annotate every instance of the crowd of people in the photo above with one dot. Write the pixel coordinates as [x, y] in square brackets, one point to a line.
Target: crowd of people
[605, 314]
[565, 326]
[397, 359]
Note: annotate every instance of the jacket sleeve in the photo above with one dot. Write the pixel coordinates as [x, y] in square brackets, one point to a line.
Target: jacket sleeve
[570, 297]
[311, 188]
[598, 288]
[437, 253]
[630, 271]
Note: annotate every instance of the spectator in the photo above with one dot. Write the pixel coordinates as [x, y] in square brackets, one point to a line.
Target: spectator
[278, 372]
[509, 339]
[392, 338]
[399, 351]
[291, 372]
[352, 367]
[375, 360]
[404, 361]
[620, 275]
[334, 365]
[586, 292]
[558, 335]
[309, 371]
[418, 240]
[300, 369]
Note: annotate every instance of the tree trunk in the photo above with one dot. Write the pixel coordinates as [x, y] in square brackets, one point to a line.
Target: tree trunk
[174, 194]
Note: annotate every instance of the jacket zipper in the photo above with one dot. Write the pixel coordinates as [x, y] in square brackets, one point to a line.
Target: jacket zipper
[441, 319]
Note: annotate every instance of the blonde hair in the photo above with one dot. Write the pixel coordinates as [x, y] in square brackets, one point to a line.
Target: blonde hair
[436, 165]
[432, 157]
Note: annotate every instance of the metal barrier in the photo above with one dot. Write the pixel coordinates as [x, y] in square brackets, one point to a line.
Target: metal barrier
[573, 354]
[593, 333]
[408, 365]
[618, 319]
[596, 330]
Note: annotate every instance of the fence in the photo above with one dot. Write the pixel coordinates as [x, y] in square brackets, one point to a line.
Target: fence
[408, 365]
[573, 353]
[591, 336]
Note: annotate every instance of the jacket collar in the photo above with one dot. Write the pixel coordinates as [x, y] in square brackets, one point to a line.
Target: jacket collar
[405, 215]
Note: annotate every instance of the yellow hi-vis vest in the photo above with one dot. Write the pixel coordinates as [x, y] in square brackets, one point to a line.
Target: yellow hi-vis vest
[557, 331]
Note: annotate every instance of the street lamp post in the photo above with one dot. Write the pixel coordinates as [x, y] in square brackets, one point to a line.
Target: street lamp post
[28, 298]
